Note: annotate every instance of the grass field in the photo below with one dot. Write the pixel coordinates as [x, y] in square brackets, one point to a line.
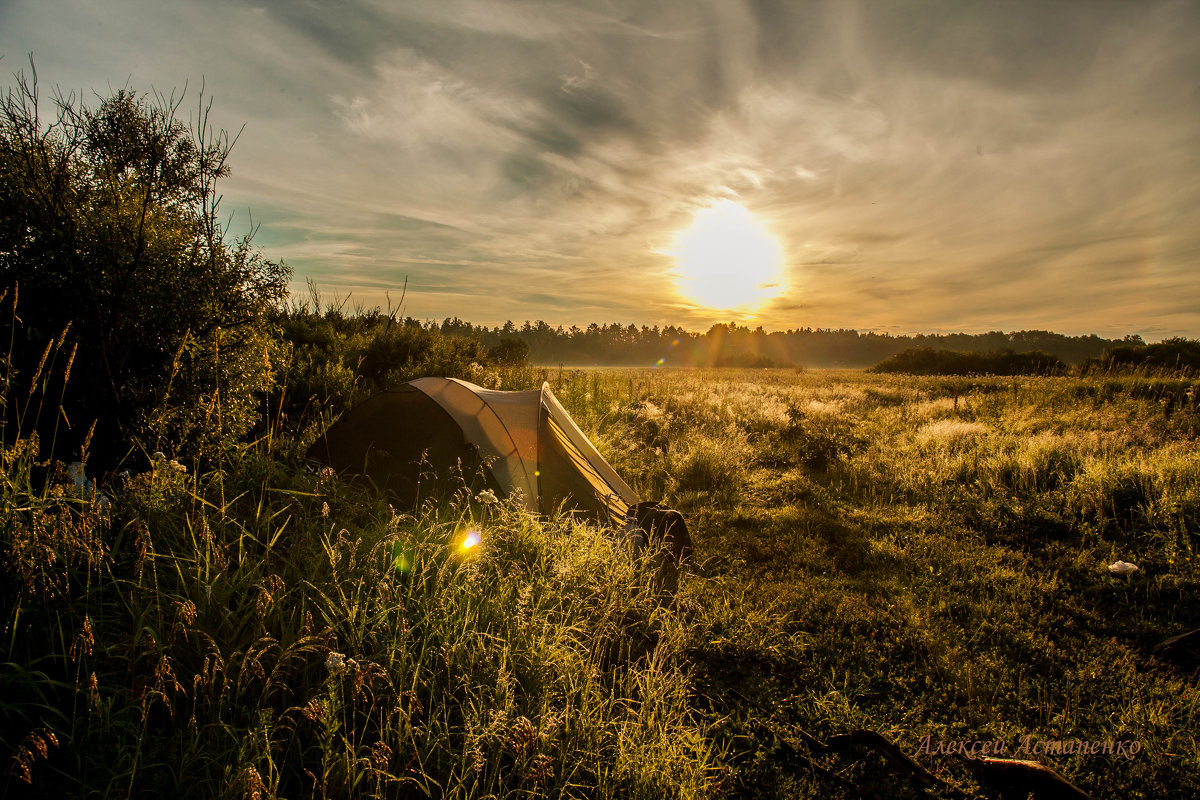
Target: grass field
[926, 558]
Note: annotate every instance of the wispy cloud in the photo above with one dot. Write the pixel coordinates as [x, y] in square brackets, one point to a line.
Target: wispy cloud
[925, 165]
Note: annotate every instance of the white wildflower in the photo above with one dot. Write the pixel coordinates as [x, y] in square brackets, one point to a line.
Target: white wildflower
[335, 661]
[1122, 568]
[516, 498]
[487, 497]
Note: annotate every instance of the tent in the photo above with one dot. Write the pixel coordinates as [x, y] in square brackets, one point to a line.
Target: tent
[524, 443]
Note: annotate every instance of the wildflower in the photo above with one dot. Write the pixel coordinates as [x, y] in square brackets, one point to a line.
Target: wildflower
[541, 770]
[324, 509]
[516, 498]
[1122, 568]
[93, 692]
[478, 759]
[264, 602]
[252, 783]
[34, 746]
[185, 611]
[381, 754]
[314, 711]
[487, 497]
[158, 457]
[335, 661]
[175, 465]
[522, 736]
[82, 646]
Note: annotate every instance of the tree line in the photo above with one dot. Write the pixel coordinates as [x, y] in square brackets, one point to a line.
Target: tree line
[730, 344]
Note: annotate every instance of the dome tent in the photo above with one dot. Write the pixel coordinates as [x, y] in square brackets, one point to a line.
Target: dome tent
[525, 442]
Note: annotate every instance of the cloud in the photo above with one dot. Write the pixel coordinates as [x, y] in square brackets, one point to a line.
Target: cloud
[925, 165]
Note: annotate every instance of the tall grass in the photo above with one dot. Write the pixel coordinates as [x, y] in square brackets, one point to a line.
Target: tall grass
[252, 629]
[302, 639]
[928, 556]
[916, 556]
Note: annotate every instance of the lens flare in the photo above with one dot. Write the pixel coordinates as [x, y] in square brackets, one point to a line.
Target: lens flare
[402, 558]
[471, 540]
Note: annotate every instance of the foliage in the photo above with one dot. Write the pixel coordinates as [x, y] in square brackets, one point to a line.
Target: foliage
[924, 361]
[265, 632]
[733, 345]
[916, 556]
[1169, 354]
[111, 247]
[512, 352]
[337, 358]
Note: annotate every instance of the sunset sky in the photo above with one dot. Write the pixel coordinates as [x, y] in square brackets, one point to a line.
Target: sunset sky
[905, 166]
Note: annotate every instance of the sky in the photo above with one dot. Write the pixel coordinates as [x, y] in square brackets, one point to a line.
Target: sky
[913, 166]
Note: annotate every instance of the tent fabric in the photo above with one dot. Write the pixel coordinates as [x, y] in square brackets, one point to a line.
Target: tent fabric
[566, 474]
[530, 445]
[486, 429]
[604, 472]
[371, 442]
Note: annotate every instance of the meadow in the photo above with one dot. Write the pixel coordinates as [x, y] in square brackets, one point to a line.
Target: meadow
[925, 558]
[881, 559]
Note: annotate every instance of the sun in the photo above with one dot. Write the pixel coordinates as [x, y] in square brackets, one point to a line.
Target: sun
[727, 259]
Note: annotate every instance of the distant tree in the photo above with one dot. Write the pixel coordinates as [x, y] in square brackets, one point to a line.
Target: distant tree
[510, 352]
[111, 243]
[927, 361]
[1169, 354]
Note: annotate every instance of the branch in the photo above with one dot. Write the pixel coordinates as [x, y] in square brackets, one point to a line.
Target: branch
[1027, 777]
[882, 745]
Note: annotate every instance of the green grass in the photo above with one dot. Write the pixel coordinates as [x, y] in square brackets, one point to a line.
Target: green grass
[924, 556]
[915, 556]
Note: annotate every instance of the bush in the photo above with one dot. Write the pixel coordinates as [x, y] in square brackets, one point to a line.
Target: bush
[926, 361]
[1169, 354]
[338, 359]
[112, 250]
[509, 352]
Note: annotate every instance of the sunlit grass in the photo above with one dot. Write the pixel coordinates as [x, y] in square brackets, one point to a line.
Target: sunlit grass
[929, 556]
[914, 556]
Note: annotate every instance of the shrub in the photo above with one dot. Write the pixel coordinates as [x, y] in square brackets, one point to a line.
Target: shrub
[1169, 354]
[510, 352]
[111, 245]
[337, 359]
[926, 361]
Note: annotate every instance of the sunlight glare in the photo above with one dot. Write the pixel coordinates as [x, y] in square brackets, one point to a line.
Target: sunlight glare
[728, 259]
